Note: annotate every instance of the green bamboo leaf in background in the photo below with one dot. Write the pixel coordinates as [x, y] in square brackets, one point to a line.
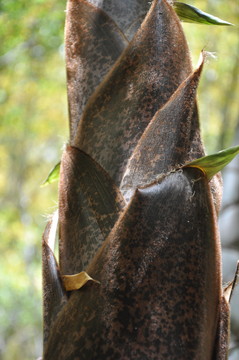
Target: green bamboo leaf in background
[53, 175]
[210, 165]
[191, 14]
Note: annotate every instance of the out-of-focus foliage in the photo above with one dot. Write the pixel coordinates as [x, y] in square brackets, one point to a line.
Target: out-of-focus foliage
[33, 129]
[218, 92]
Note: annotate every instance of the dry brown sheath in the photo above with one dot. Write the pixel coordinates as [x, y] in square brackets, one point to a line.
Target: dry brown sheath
[130, 217]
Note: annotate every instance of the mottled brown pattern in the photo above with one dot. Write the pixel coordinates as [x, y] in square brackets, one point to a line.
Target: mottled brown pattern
[93, 43]
[128, 15]
[222, 338]
[196, 147]
[89, 205]
[54, 294]
[161, 150]
[158, 258]
[160, 281]
[145, 76]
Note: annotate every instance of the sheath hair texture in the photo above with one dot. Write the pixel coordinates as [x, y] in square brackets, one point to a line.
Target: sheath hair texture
[139, 270]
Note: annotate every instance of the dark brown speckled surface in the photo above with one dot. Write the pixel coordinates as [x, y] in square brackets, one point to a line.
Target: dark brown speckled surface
[89, 205]
[166, 143]
[160, 281]
[93, 43]
[158, 258]
[148, 72]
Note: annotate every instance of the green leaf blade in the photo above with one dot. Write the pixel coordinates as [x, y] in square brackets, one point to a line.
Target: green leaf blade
[191, 14]
[53, 175]
[210, 165]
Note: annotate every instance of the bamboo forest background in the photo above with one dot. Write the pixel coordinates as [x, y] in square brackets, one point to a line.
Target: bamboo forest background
[34, 128]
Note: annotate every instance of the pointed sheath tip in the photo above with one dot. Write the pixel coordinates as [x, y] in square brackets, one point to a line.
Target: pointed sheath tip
[202, 57]
[228, 290]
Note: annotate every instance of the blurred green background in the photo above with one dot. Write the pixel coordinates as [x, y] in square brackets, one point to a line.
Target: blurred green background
[34, 128]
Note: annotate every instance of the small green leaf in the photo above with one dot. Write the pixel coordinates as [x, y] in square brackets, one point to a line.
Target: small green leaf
[53, 175]
[189, 13]
[210, 165]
